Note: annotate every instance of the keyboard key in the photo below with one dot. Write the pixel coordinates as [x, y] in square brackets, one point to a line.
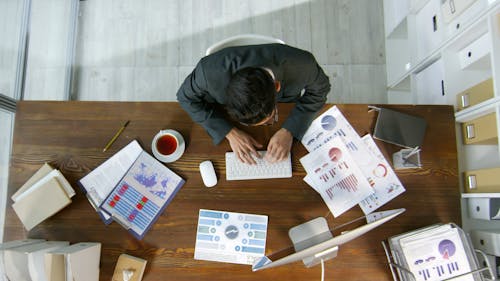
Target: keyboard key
[236, 170]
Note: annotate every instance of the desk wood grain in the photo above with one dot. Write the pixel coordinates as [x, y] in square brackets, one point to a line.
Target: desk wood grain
[71, 135]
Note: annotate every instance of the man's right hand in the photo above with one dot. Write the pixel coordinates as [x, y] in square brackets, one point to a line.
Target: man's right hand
[243, 145]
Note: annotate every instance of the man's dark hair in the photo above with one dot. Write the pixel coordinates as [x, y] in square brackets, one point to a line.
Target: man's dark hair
[251, 95]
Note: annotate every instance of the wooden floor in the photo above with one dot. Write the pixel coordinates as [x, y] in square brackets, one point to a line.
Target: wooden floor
[142, 50]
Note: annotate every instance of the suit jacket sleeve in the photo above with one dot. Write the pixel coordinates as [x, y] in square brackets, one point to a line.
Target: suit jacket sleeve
[195, 99]
[317, 87]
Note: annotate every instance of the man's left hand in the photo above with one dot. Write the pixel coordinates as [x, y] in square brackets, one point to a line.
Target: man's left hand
[279, 146]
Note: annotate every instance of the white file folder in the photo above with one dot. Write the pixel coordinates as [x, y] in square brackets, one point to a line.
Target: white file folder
[484, 208]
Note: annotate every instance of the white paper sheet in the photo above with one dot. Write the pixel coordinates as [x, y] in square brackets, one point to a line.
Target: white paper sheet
[333, 125]
[436, 254]
[335, 175]
[101, 181]
[382, 178]
[230, 237]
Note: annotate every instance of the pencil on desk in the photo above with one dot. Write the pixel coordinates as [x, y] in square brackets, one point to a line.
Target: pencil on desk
[112, 140]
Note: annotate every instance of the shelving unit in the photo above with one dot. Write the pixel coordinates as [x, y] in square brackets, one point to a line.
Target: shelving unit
[433, 55]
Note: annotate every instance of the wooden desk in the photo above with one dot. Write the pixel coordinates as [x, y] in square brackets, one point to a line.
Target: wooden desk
[71, 135]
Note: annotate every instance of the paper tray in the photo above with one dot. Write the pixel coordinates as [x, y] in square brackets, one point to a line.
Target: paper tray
[399, 268]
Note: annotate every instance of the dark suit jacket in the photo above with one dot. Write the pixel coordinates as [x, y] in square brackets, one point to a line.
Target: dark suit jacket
[302, 81]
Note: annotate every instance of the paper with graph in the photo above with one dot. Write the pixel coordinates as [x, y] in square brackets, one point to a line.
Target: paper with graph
[230, 237]
[364, 154]
[334, 174]
[436, 254]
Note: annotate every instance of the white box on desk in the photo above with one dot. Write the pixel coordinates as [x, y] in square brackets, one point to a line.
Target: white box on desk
[484, 208]
[26, 262]
[487, 241]
[78, 262]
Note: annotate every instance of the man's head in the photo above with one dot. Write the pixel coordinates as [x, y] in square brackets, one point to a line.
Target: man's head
[251, 96]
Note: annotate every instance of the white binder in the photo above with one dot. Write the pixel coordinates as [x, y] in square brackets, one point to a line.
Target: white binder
[487, 241]
[484, 208]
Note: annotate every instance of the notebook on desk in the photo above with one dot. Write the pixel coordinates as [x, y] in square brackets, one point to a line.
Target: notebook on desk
[399, 128]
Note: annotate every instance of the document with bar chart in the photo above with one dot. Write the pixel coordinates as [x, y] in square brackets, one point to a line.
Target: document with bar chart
[142, 194]
[364, 152]
[334, 174]
[230, 237]
[436, 254]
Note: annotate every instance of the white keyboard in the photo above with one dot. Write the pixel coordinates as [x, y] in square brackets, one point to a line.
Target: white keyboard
[236, 170]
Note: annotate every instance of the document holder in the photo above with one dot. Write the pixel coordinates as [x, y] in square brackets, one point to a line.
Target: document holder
[400, 270]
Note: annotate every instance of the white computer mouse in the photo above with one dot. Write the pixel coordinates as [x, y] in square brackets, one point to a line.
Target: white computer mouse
[207, 172]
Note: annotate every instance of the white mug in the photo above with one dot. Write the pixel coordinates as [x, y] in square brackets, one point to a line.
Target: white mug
[168, 145]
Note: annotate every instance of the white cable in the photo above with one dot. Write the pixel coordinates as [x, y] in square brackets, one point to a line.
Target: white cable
[322, 270]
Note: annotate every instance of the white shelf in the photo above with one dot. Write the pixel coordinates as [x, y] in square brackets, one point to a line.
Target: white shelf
[443, 59]
[488, 106]
[404, 61]
[480, 195]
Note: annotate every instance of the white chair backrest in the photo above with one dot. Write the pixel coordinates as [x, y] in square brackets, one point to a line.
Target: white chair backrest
[242, 40]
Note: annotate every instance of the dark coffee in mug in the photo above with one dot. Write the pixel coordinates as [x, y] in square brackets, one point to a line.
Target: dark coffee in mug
[166, 144]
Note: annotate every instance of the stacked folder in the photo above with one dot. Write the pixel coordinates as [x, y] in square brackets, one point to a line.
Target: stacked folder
[40, 260]
[42, 196]
[482, 181]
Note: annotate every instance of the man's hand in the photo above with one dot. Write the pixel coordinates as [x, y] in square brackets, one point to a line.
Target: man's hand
[279, 146]
[243, 145]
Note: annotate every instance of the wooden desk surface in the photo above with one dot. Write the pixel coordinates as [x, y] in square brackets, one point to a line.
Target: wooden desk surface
[71, 135]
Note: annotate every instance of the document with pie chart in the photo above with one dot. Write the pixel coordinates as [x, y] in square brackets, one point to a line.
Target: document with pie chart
[334, 174]
[332, 125]
[230, 237]
[436, 254]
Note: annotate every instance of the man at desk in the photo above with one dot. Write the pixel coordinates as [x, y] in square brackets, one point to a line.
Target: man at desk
[249, 81]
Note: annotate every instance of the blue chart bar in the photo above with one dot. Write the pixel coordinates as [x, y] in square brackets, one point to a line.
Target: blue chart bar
[203, 229]
[259, 235]
[258, 226]
[253, 250]
[254, 242]
[209, 214]
[122, 208]
[207, 222]
[134, 197]
[256, 219]
[205, 237]
[125, 210]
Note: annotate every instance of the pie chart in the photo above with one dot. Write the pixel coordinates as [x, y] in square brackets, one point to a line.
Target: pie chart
[446, 248]
[328, 122]
[335, 154]
[231, 232]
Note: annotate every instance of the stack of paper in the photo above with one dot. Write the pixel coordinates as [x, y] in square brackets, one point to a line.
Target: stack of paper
[346, 169]
[43, 195]
[129, 268]
[437, 252]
